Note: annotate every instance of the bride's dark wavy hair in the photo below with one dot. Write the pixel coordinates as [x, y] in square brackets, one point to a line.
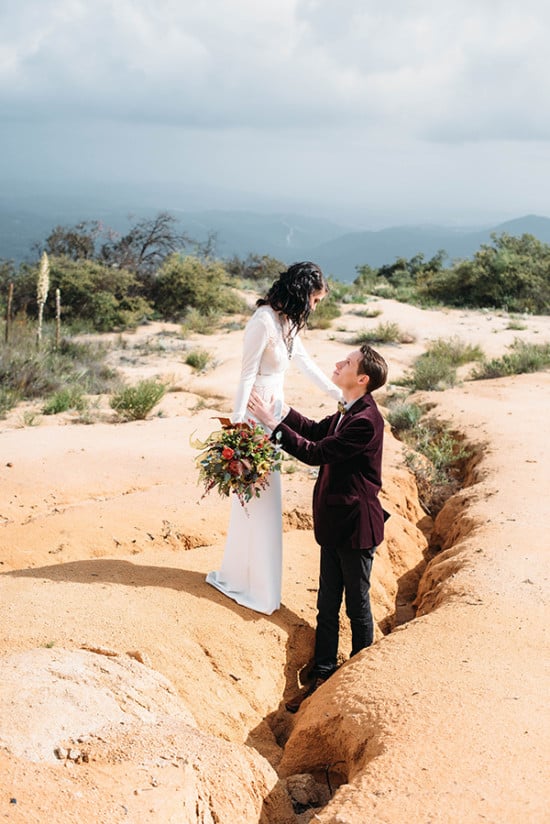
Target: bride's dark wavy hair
[292, 290]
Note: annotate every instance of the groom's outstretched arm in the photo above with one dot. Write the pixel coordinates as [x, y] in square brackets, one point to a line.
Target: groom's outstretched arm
[307, 428]
[350, 441]
[265, 412]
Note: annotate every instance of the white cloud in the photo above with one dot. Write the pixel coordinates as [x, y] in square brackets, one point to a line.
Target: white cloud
[363, 99]
[455, 70]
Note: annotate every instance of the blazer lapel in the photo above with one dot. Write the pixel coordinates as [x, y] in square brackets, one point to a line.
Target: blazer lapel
[332, 425]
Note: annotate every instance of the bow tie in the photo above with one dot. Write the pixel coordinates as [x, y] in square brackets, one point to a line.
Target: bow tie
[342, 408]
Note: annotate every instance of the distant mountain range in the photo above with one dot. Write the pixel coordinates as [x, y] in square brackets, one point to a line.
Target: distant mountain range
[338, 249]
[338, 252]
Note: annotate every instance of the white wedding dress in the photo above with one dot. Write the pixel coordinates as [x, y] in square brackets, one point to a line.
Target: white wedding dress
[251, 570]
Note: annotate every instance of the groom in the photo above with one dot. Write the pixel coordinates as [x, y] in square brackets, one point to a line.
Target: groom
[347, 515]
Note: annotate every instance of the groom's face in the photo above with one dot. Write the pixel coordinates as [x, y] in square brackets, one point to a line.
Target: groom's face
[345, 374]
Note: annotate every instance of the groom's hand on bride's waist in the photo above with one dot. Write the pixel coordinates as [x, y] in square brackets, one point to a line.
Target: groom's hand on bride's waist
[267, 413]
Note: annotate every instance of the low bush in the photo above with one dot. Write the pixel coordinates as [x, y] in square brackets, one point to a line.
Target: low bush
[198, 359]
[430, 373]
[133, 403]
[437, 461]
[103, 296]
[27, 373]
[72, 397]
[522, 357]
[454, 351]
[369, 312]
[8, 399]
[383, 333]
[435, 369]
[326, 311]
[403, 416]
[189, 282]
[203, 323]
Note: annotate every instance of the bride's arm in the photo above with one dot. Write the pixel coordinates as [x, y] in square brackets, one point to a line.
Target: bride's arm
[310, 369]
[254, 343]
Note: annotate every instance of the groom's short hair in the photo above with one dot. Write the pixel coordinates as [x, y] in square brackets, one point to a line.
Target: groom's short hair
[372, 364]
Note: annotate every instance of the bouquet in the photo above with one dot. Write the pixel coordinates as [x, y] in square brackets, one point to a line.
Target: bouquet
[237, 458]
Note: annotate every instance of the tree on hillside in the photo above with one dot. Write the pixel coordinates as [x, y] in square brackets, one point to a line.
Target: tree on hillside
[189, 282]
[255, 267]
[400, 273]
[146, 246]
[141, 250]
[106, 298]
[75, 242]
[511, 273]
[405, 272]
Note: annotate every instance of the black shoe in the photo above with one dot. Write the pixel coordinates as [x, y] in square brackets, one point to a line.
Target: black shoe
[295, 703]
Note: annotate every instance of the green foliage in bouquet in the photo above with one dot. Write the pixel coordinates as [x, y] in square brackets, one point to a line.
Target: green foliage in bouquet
[237, 458]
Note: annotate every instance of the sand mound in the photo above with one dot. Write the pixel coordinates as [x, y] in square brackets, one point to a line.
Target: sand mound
[104, 544]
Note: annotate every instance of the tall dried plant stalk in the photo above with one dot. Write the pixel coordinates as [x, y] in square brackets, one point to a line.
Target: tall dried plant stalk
[57, 318]
[42, 286]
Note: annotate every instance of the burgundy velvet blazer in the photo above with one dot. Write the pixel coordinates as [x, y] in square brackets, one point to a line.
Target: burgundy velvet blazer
[346, 509]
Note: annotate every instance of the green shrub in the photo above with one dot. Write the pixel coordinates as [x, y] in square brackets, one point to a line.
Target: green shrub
[436, 368]
[133, 403]
[204, 323]
[258, 268]
[71, 397]
[437, 463]
[522, 357]
[327, 310]
[198, 359]
[437, 443]
[26, 373]
[516, 325]
[108, 298]
[369, 312]
[404, 416]
[454, 351]
[511, 273]
[8, 399]
[430, 372]
[184, 282]
[383, 333]
[30, 418]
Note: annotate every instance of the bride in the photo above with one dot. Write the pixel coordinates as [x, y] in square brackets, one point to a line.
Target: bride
[251, 570]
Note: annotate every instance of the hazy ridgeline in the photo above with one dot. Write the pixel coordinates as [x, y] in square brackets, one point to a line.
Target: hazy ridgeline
[157, 270]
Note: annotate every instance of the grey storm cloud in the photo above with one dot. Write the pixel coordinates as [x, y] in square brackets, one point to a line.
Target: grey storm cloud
[460, 70]
[408, 108]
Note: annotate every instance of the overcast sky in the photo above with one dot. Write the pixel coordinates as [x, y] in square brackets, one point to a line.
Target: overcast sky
[406, 109]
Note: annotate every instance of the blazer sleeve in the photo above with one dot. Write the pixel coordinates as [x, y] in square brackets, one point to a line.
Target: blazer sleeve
[349, 440]
[312, 430]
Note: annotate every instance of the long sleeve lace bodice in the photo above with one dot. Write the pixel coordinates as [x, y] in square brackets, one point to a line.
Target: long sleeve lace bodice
[266, 358]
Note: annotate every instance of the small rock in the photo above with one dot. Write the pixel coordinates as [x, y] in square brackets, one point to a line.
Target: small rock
[61, 753]
[139, 656]
[109, 653]
[306, 791]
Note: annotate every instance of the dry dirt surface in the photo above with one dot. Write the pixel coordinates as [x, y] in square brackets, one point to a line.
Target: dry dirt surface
[131, 691]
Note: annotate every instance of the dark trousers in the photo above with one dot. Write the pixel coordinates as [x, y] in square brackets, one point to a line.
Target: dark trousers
[343, 570]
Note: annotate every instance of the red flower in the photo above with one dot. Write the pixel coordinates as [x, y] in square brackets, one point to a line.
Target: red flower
[236, 468]
[227, 453]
